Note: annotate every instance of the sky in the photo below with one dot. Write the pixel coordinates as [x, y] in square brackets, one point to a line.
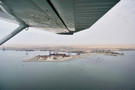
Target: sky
[115, 27]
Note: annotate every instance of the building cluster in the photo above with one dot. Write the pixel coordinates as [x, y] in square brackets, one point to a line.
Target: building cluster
[50, 57]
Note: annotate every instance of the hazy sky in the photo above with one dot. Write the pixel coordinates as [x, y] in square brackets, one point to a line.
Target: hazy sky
[116, 27]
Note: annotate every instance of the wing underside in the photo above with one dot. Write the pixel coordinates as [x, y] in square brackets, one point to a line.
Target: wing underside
[59, 16]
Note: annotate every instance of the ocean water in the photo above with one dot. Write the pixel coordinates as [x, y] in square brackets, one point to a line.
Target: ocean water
[95, 72]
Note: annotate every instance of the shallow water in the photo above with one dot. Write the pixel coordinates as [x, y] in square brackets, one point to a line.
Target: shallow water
[92, 72]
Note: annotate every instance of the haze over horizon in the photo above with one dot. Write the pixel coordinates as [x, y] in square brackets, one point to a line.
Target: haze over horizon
[115, 27]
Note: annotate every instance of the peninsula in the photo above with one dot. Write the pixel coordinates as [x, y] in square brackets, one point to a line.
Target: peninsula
[63, 57]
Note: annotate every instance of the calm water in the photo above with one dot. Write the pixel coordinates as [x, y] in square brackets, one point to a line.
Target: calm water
[92, 72]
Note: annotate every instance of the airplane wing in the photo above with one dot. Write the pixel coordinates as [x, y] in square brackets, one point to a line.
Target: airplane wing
[58, 16]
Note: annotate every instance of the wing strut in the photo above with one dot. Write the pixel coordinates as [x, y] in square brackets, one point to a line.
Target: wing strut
[22, 25]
